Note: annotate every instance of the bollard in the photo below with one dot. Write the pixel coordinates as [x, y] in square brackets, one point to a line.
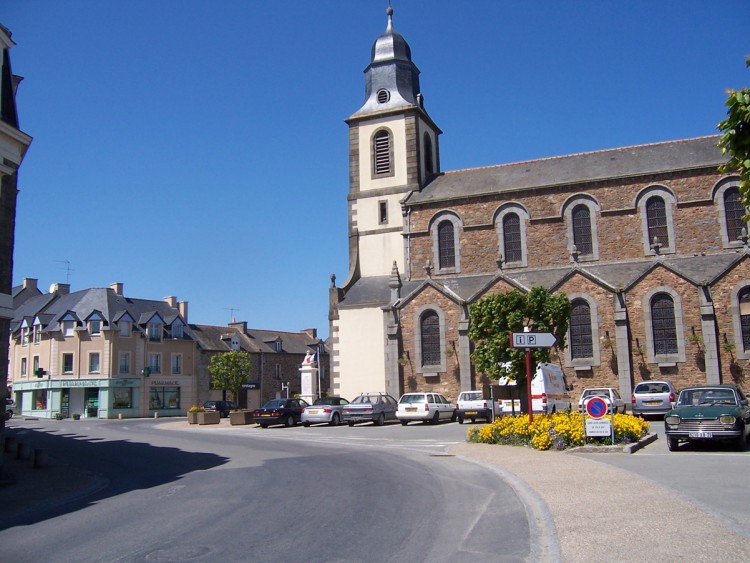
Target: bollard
[24, 451]
[41, 459]
[11, 446]
[156, 415]
[119, 415]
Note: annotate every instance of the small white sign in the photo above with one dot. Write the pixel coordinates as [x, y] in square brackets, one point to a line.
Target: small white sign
[598, 426]
[532, 340]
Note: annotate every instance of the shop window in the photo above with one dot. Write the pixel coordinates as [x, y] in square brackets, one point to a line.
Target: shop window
[122, 398]
[164, 398]
[40, 399]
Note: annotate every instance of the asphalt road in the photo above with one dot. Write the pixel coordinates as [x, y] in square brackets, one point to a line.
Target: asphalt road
[314, 494]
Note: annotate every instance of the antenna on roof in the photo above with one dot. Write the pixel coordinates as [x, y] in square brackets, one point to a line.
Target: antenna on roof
[231, 312]
[67, 269]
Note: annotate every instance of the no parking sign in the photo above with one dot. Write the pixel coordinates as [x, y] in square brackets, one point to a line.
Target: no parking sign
[596, 424]
[596, 407]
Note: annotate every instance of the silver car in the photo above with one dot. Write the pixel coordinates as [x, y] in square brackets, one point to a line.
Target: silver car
[371, 407]
[653, 398]
[329, 410]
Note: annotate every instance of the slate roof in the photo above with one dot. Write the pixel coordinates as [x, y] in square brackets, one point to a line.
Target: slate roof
[671, 156]
[82, 303]
[218, 338]
[701, 269]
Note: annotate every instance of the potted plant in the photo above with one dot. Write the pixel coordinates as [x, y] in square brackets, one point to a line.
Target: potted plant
[193, 414]
[209, 417]
[76, 416]
[58, 416]
[240, 417]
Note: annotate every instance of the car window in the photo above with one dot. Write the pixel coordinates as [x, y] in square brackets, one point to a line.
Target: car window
[274, 404]
[413, 398]
[472, 396]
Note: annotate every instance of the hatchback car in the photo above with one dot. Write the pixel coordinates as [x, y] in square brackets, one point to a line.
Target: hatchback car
[610, 395]
[326, 409]
[427, 407]
[709, 413]
[653, 398]
[224, 407]
[371, 407]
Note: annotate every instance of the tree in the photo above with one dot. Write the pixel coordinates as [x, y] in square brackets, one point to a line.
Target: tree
[735, 139]
[229, 370]
[494, 317]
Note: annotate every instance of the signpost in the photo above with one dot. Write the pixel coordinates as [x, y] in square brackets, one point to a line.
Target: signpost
[530, 340]
[595, 424]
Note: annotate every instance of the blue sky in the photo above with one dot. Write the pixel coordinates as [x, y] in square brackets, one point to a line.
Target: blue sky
[199, 149]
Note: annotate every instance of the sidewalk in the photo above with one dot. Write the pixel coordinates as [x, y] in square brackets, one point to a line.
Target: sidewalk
[580, 510]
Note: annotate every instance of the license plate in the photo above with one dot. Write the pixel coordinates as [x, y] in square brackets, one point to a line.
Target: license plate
[471, 412]
[265, 414]
[701, 434]
[411, 409]
[312, 412]
[653, 402]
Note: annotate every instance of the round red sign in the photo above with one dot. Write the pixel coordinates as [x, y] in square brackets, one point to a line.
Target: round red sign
[596, 407]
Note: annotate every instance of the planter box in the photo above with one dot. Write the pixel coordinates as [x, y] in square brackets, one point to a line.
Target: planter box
[240, 417]
[193, 417]
[213, 417]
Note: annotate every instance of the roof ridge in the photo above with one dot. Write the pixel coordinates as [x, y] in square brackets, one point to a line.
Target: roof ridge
[600, 151]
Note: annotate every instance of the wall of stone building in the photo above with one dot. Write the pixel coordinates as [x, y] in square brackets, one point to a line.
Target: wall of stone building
[696, 221]
[734, 362]
[689, 371]
[447, 382]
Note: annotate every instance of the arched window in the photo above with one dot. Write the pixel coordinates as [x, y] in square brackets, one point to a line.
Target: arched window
[744, 299]
[512, 248]
[382, 153]
[734, 212]
[429, 166]
[430, 338]
[446, 245]
[581, 341]
[663, 326]
[582, 229]
[656, 219]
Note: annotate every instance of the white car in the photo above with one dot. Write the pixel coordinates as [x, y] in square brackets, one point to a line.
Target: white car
[427, 407]
[610, 395]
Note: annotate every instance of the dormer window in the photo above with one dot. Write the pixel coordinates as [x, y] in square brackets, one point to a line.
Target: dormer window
[37, 334]
[277, 345]
[25, 336]
[154, 331]
[177, 331]
[383, 96]
[126, 328]
[95, 326]
[68, 328]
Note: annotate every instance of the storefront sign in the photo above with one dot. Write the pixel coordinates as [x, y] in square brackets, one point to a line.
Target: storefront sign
[164, 382]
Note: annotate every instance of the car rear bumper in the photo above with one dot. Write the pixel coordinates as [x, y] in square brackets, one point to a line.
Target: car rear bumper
[646, 409]
[260, 419]
[414, 415]
[315, 418]
[358, 417]
[478, 413]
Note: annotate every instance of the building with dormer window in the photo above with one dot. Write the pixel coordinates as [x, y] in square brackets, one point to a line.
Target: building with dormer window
[100, 354]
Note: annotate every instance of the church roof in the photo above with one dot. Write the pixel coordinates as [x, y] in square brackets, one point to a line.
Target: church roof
[670, 156]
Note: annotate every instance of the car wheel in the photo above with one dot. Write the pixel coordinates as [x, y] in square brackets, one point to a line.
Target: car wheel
[672, 443]
[350, 423]
[454, 417]
[404, 422]
[435, 418]
[264, 425]
[306, 424]
[460, 419]
[289, 421]
[742, 440]
[335, 419]
[380, 421]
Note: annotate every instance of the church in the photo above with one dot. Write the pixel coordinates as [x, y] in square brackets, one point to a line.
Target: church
[648, 243]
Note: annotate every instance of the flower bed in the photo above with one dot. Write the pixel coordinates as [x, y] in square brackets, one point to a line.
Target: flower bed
[556, 431]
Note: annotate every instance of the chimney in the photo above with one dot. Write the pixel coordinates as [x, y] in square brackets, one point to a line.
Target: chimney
[117, 287]
[30, 283]
[60, 288]
[182, 307]
[171, 301]
[311, 332]
[242, 325]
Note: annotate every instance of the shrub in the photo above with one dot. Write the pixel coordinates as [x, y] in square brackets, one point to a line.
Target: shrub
[555, 431]
[196, 408]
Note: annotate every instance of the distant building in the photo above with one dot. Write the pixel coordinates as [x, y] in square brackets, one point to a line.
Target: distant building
[275, 358]
[648, 243]
[100, 354]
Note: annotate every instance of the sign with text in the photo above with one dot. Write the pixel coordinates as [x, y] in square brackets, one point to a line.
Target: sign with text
[532, 340]
[598, 427]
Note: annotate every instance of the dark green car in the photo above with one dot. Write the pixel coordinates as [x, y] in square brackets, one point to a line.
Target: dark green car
[708, 413]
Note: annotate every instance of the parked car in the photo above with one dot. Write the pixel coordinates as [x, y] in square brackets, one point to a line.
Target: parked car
[427, 407]
[325, 409]
[10, 409]
[224, 407]
[709, 413]
[653, 397]
[371, 407]
[280, 411]
[473, 405]
[610, 395]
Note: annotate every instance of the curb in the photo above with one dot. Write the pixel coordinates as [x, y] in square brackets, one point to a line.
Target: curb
[622, 448]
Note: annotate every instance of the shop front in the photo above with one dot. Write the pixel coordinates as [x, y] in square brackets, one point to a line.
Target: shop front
[169, 396]
[84, 398]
